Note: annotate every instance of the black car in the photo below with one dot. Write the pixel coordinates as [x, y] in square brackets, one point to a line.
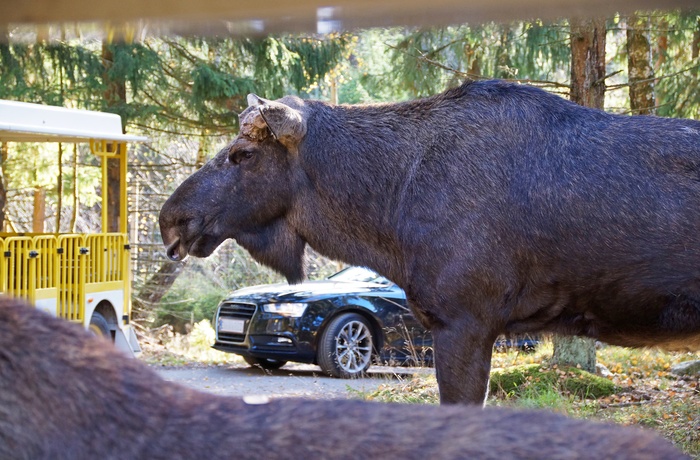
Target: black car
[343, 324]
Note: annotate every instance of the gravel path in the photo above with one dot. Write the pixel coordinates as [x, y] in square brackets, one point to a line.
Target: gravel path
[301, 380]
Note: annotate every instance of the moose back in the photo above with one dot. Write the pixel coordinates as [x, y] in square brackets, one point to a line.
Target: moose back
[497, 207]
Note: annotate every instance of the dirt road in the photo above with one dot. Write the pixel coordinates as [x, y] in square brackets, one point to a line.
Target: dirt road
[299, 380]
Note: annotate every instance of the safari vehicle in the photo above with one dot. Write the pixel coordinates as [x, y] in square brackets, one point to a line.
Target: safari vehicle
[84, 278]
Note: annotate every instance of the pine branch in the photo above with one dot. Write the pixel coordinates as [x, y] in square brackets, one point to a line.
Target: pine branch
[183, 51]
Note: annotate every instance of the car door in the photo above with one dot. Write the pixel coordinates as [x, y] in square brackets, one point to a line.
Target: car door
[406, 340]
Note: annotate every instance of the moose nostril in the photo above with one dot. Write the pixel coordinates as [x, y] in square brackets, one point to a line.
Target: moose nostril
[172, 251]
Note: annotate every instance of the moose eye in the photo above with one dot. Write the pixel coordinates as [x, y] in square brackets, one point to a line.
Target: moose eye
[237, 156]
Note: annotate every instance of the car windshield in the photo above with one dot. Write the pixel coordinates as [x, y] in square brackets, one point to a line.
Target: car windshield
[359, 274]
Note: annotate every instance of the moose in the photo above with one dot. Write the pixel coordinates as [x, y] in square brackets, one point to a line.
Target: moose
[67, 394]
[497, 207]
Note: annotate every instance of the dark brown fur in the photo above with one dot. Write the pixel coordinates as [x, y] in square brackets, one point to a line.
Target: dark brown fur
[67, 395]
[496, 207]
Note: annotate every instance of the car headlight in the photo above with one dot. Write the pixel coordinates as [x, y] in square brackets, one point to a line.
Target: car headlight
[293, 310]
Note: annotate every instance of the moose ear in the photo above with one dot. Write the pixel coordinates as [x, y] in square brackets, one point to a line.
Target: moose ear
[285, 123]
[254, 100]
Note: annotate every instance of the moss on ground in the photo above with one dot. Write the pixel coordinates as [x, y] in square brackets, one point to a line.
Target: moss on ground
[517, 381]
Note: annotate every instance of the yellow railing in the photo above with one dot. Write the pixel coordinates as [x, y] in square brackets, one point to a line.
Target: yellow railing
[71, 288]
[108, 257]
[41, 267]
[18, 277]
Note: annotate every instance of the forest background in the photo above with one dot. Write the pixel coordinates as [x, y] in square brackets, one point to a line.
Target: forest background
[185, 93]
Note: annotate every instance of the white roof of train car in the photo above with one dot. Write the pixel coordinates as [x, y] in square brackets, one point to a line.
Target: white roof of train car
[25, 122]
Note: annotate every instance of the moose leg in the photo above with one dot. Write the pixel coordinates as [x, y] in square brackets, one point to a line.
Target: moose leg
[462, 363]
[463, 330]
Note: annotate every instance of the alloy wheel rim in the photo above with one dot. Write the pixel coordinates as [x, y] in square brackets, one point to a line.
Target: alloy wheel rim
[354, 347]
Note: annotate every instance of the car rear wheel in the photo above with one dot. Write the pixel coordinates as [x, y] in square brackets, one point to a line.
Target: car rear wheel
[345, 348]
[265, 363]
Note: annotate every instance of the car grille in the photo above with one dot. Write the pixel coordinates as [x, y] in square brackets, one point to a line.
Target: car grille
[242, 311]
[237, 310]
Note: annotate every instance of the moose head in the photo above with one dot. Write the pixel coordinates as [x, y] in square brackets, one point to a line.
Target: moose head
[246, 192]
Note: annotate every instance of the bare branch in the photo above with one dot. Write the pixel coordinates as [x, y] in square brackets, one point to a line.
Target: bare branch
[655, 79]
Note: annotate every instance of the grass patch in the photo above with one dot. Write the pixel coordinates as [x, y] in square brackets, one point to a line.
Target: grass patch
[421, 390]
[545, 398]
[677, 419]
[167, 348]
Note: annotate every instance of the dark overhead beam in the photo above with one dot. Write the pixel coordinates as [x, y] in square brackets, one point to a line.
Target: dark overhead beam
[248, 16]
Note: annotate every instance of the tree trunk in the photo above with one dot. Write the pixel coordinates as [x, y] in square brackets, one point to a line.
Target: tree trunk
[114, 95]
[503, 61]
[574, 351]
[59, 188]
[587, 89]
[156, 287]
[3, 184]
[59, 177]
[695, 48]
[74, 215]
[661, 42]
[475, 68]
[641, 72]
[202, 150]
[588, 62]
[39, 210]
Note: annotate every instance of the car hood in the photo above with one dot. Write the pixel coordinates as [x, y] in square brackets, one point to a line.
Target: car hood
[309, 290]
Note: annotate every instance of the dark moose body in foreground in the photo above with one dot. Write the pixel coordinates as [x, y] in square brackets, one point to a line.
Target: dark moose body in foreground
[497, 207]
[69, 395]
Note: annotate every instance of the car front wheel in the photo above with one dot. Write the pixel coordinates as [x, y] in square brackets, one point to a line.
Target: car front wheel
[345, 348]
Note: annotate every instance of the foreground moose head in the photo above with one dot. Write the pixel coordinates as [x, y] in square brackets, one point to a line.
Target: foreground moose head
[498, 208]
[68, 395]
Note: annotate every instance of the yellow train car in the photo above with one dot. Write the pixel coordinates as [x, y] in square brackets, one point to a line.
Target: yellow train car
[84, 278]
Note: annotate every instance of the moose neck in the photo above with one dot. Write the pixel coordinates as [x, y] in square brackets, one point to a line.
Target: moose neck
[358, 172]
